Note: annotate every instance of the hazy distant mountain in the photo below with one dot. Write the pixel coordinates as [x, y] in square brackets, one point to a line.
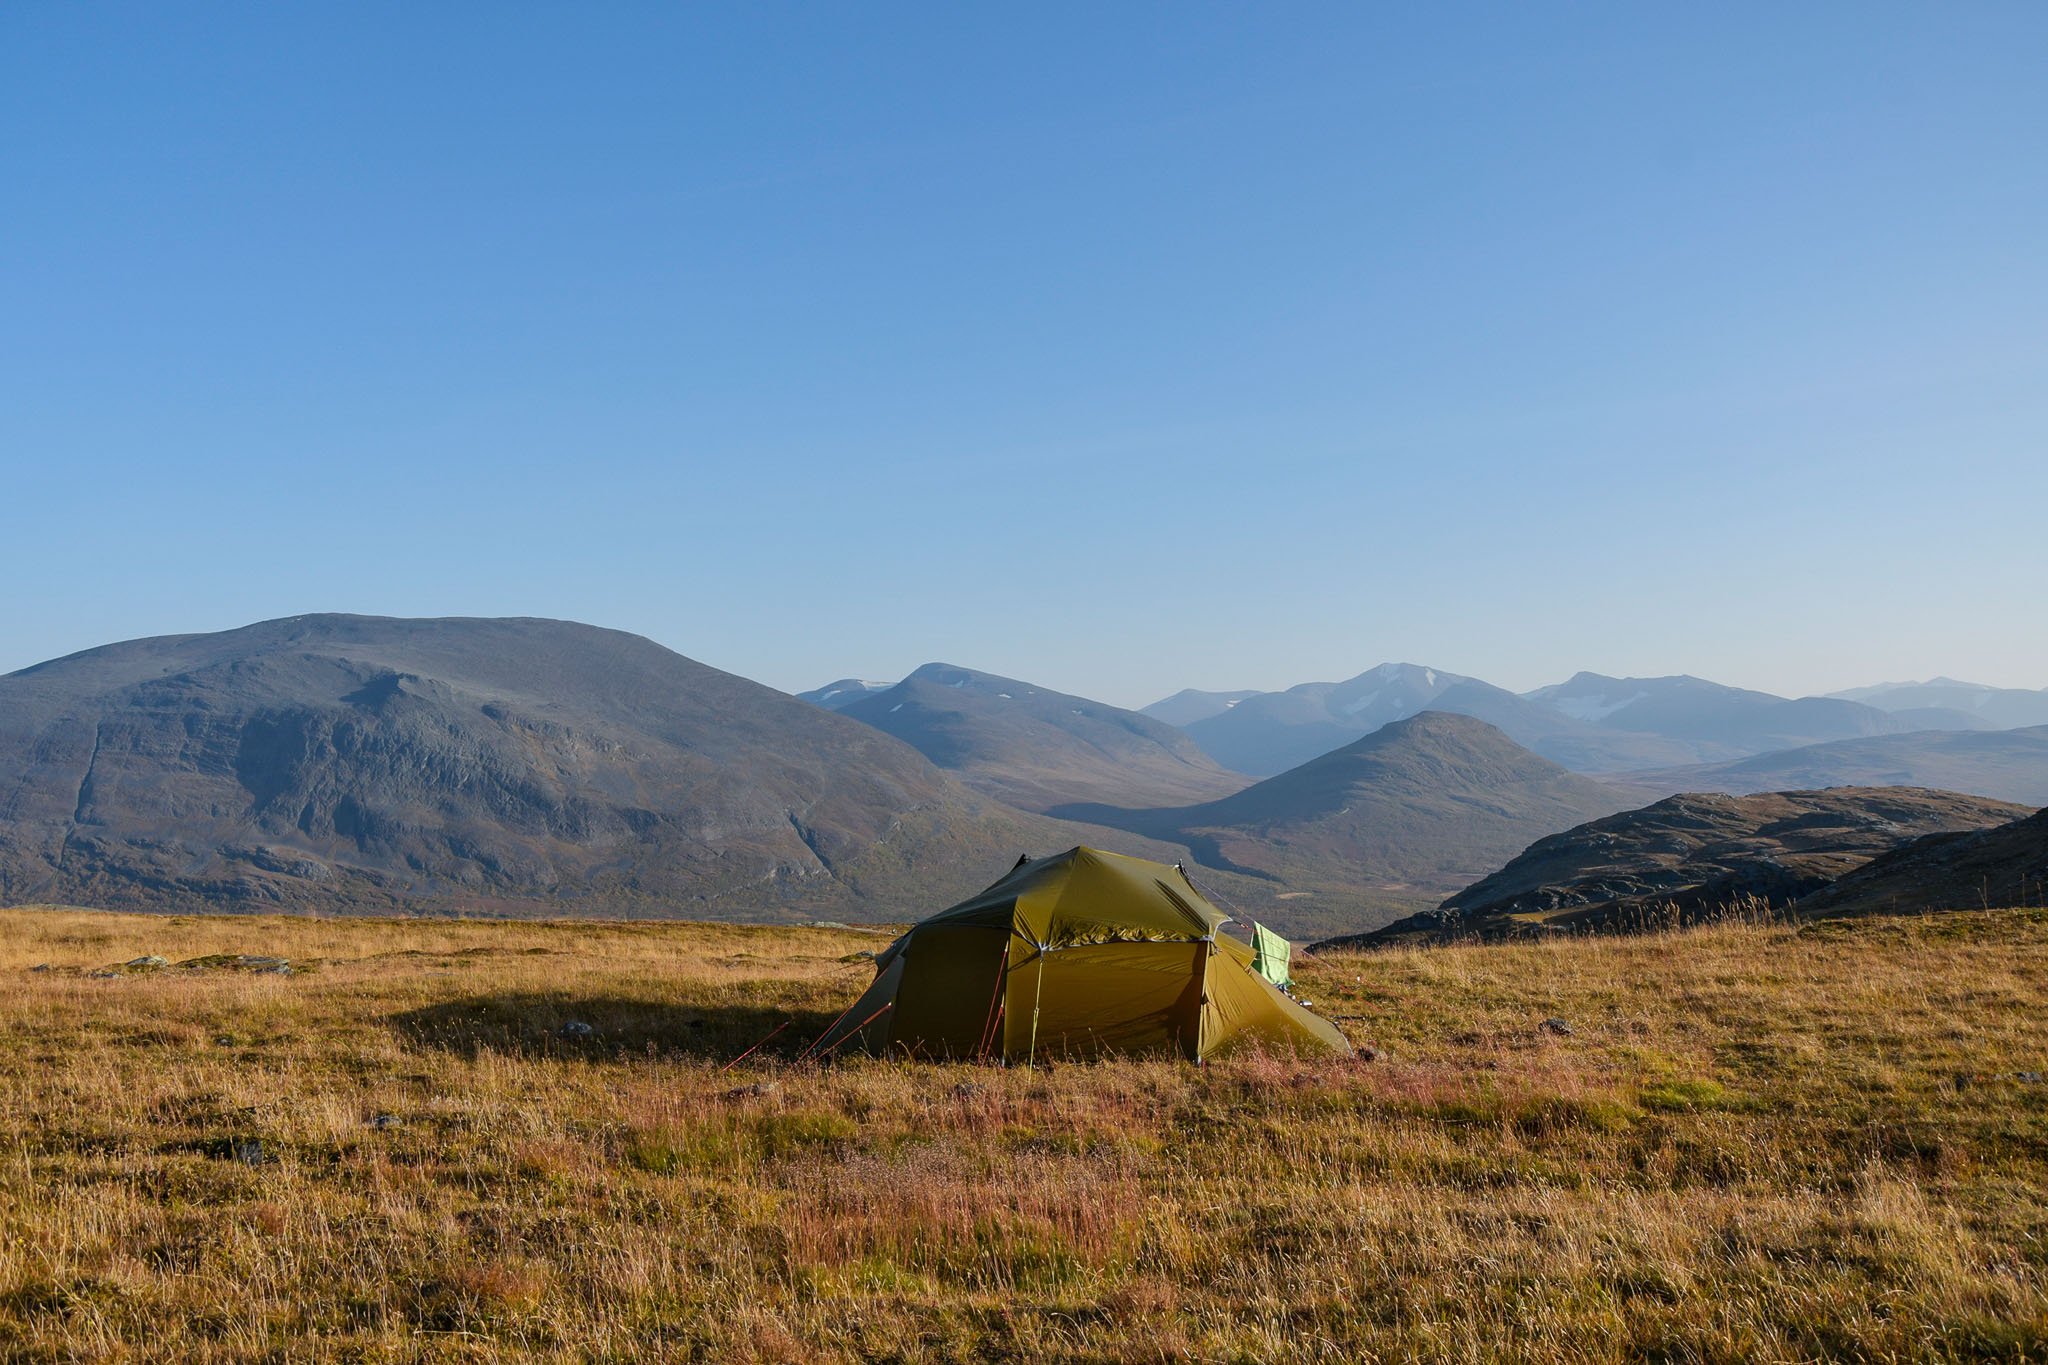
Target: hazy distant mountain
[1727, 722]
[1187, 706]
[516, 766]
[1036, 748]
[1694, 854]
[2007, 765]
[1575, 743]
[1385, 824]
[2005, 865]
[1998, 708]
[1274, 731]
[835, 696]
[1591, 723]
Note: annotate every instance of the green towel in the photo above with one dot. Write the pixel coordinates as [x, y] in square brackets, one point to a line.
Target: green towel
[1271, 953]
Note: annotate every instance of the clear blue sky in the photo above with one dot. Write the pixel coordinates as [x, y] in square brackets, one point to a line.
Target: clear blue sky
[1118, 347]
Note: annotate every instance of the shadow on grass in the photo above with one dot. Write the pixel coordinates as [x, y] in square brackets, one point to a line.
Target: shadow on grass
[590, 1027]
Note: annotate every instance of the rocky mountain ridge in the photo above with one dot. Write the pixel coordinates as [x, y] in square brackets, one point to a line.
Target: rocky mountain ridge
[1693, 856]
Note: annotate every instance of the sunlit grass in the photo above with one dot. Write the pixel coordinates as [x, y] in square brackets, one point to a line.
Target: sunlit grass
[1755, 1143]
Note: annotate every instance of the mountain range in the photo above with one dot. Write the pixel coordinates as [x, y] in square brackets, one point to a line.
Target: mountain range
[1591, 722]
[1994, 708]
[525, 766]
[2009, 765]
[1035, 748]
[1392, 821]
[518, 766]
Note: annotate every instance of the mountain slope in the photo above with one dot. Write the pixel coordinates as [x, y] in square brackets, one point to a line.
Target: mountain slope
[1036, 748]
[1693, 854]
[1387, 823]
[1188, 705]
[2005, 865]
[2007, 765]
[363, 762]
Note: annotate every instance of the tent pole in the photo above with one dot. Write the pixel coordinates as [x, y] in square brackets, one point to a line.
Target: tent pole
[1037, 986]
[856, 1029]
[835, 1024]
[756, 1047]
[988, 1029]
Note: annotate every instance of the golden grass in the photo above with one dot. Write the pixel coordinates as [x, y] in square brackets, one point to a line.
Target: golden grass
[1756, 1143]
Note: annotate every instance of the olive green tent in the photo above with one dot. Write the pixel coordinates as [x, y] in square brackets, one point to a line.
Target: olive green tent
[1075, 955]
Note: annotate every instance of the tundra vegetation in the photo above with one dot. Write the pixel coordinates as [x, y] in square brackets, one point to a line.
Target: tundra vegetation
[1735, 1142]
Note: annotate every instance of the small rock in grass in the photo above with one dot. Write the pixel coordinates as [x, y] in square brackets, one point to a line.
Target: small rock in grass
[40, 967]
[576, 1028]
[754, 1091]
[147, 963]
[1374, 1054]
[967, 1090]
[384, 1122]
[281, 969]
[1556, 1027]
[249, 1151]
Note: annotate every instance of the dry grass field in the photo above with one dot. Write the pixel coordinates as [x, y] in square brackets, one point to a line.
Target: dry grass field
[1754, 1143]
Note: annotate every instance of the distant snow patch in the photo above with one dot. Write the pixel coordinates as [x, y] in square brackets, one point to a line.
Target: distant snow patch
[1353, 708]
[897, 707]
